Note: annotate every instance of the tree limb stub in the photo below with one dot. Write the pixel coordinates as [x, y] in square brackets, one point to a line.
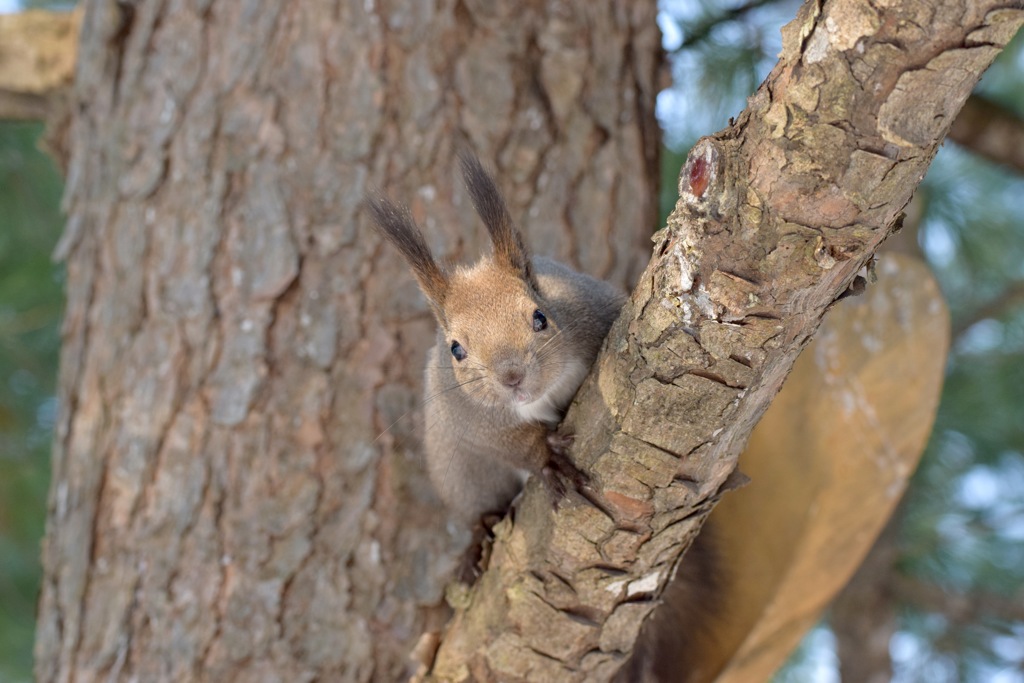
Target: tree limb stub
[776, 216]
[37, 60]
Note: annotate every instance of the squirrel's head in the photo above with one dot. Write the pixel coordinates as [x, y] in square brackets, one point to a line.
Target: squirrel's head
[503, 341]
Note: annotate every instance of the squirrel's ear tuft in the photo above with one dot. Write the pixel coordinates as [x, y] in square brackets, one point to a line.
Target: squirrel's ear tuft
[509, 248]
[395, 223]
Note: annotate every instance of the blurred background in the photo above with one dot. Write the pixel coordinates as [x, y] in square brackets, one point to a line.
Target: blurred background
[31, 295]
[951, 568]
[953, 575]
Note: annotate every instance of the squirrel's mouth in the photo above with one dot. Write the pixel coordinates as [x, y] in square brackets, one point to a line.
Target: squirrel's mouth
[520, 396]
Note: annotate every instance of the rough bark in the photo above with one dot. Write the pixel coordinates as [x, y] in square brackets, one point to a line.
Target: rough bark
[777, 216]
[236, 339]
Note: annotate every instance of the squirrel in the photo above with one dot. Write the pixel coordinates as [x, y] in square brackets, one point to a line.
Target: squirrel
[516, 337]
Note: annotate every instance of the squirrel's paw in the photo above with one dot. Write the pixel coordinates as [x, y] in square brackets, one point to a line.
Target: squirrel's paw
[560, 474]
[560, 443]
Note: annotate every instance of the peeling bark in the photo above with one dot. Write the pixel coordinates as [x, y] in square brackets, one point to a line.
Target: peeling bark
[237, 492]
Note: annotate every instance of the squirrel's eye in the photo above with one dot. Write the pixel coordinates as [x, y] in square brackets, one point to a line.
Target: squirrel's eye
[540, 321]
[459, 352]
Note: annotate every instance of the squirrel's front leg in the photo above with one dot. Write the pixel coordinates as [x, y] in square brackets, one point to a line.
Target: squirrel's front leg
[546, 456]
[560, 468]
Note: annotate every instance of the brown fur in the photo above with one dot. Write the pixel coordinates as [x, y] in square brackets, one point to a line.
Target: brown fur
[488, 416]
[478, 446]
[396, 224]
[509, 248]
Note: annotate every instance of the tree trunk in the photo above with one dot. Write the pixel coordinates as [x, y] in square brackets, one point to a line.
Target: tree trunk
[863, 617]
[236, 339]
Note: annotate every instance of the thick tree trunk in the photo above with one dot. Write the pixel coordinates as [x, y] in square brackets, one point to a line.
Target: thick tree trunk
[235, 339]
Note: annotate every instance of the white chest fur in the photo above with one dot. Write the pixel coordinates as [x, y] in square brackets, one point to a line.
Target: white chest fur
[548, 408]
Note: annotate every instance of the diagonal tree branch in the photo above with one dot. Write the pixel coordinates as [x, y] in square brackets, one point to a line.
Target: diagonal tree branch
[699, 31]
[988, 129]
[777, 214]
[961, 608]
[1009, 299]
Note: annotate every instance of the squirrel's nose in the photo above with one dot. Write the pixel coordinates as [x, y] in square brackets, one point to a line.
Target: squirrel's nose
[512, 378]
[510, 372]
